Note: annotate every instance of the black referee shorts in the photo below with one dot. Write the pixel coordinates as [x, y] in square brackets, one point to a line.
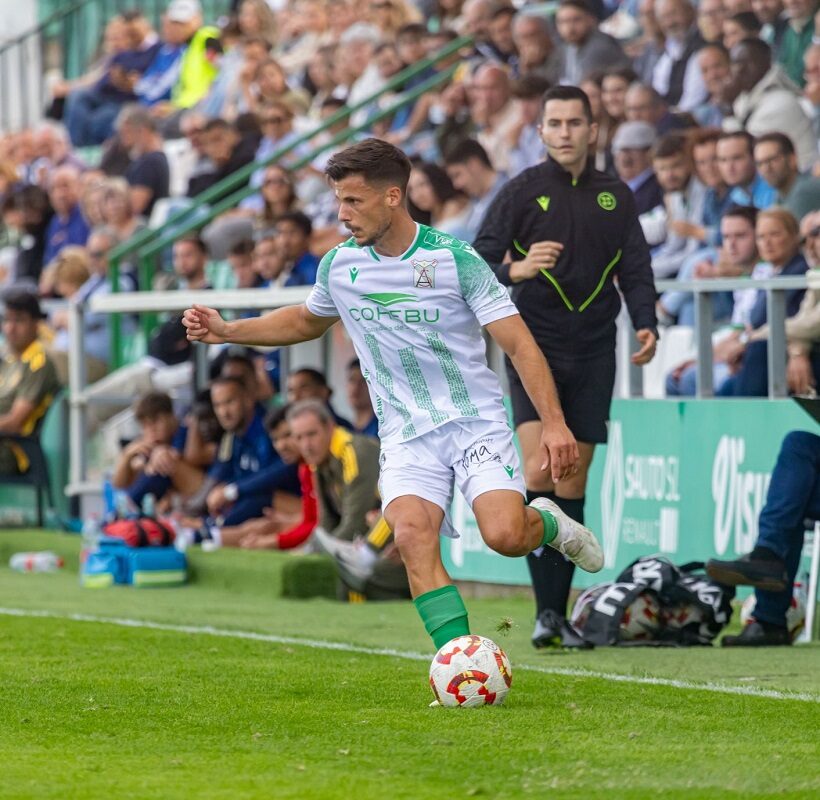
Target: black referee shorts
[584, 389]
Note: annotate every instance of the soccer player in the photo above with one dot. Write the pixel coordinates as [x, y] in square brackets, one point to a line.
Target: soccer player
[573, 232]
[413, 301]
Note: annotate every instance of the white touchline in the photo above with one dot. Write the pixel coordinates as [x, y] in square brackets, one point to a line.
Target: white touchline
[320, 644]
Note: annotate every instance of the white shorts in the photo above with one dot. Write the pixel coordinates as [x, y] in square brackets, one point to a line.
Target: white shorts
[476, 455]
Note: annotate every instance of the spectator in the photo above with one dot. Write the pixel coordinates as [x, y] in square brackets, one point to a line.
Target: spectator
[718, 197]
[715, 68]
[117, 210]
[27, 209]
[256, 18]
[269, 86]
[811, 94]
[67, 226]
[644, 104]
[535, 52]
[776, 162]
[227, 150]
[358, 73]
[240, 257]
[268, 259]
[803, 329]
[735, 155]
[310, 384]
[28, 380]
[524, 138]
[778, 242]
[736, 257]
[346, 468]
[438, 202]
[769, 14]
[476, 16]
[365, 421]
[651, 45]
[677, 77]
[768, 101]
[493, 111]
[313, 34]
[159, 80]
[793, 495]
[710, 17]
[52, 148]
[282, 527]
[501, 36]
[148, 175]
[388, 16]
[797, 37]
[614, 86]
[632, 148]
[156, 461]
[583, 48]
[684, 198]
[471, 172]
[744, 25]
[240, 480]
[293, 232]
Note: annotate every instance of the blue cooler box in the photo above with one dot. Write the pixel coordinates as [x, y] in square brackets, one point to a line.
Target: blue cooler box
[114, 562]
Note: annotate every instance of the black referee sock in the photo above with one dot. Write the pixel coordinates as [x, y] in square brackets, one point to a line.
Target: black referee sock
[551, 573]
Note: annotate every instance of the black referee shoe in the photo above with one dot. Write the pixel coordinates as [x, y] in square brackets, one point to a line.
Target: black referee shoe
[756, 634]
[553, 630]
[767, 574]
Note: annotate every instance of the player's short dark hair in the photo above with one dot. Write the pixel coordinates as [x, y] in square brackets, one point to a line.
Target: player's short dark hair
[467, 150]
[378, 162]
[749, 213]
[671, 144]
[776, 137]
[196, 240]
[316, 377]
[153, 405]
[299, 219]
[745, 135]
[275, 417]
[570, 93]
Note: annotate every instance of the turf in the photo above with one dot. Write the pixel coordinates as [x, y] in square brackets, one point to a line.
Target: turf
[96, 710]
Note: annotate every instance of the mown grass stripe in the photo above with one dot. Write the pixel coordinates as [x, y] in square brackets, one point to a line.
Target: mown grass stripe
[321, 644]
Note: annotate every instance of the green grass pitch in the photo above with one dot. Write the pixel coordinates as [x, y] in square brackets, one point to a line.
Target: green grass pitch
[90, 709]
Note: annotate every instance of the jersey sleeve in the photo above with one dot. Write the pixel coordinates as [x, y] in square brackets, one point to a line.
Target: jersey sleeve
[319, 301]
[487, 298]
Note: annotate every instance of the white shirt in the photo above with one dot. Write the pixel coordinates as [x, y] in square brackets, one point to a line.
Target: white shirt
[415, 323]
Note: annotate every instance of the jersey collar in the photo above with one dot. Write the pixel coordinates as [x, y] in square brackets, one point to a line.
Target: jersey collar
[406, 254]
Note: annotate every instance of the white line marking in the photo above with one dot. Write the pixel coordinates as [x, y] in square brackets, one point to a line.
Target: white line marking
[320, 644]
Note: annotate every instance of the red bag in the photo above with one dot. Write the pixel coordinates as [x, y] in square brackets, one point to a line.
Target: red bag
[141, 532]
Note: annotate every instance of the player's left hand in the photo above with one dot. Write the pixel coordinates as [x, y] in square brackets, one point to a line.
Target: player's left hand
[561, 454]
[648, 341]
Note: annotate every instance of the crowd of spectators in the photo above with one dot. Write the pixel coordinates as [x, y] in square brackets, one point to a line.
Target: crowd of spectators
[708, 111]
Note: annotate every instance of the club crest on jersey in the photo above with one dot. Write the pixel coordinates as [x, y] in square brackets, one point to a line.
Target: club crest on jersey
[424, 273]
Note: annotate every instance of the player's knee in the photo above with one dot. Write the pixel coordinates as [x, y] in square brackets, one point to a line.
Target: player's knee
[413, 537]
[535, 478]
[507, 539]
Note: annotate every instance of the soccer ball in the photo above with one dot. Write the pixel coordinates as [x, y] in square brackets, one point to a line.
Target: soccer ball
[795, 615]
[470, 671]
[642, 619]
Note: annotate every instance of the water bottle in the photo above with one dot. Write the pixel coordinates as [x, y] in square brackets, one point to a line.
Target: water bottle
[149, 506]
[109, 500]
[91, 534]
[125, 506]
[44, 561]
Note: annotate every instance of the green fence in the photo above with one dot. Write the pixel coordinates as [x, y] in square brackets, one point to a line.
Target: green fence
[686, 479]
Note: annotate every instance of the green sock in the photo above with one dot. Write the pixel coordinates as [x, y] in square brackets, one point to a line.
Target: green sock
[443, 613]
[550, 526]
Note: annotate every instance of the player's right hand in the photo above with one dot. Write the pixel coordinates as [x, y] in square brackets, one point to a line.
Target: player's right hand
[203, 324]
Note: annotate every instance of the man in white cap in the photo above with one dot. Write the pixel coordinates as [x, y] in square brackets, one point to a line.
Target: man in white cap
[632, 150]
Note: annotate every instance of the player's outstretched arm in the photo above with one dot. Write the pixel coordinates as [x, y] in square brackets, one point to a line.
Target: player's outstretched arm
[284, 326]
[559, 446]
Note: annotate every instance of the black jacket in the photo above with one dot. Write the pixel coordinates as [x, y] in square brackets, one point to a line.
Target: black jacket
[571, 310]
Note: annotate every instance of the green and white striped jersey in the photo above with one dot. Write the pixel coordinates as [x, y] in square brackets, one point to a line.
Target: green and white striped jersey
[415, 322]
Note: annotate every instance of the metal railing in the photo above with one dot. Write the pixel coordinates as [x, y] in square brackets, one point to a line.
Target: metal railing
[265, 299]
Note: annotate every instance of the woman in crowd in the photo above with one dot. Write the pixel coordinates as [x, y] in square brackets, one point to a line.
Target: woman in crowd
[432, 192]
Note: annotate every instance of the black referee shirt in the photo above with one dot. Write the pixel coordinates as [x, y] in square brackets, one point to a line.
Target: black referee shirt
[571, 309]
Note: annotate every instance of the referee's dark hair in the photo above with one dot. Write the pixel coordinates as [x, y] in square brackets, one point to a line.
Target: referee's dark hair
[569, 93]
[376, 161]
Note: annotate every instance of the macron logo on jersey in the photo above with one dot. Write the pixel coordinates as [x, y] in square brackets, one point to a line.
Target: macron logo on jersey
[354, 273]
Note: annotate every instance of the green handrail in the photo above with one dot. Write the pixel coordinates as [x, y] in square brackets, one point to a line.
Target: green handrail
[148, 254]
[237, 178]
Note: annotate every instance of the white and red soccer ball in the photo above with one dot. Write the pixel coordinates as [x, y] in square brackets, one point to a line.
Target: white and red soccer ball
[470, 671]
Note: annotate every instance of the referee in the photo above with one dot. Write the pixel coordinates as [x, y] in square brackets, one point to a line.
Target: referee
[562, 234]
